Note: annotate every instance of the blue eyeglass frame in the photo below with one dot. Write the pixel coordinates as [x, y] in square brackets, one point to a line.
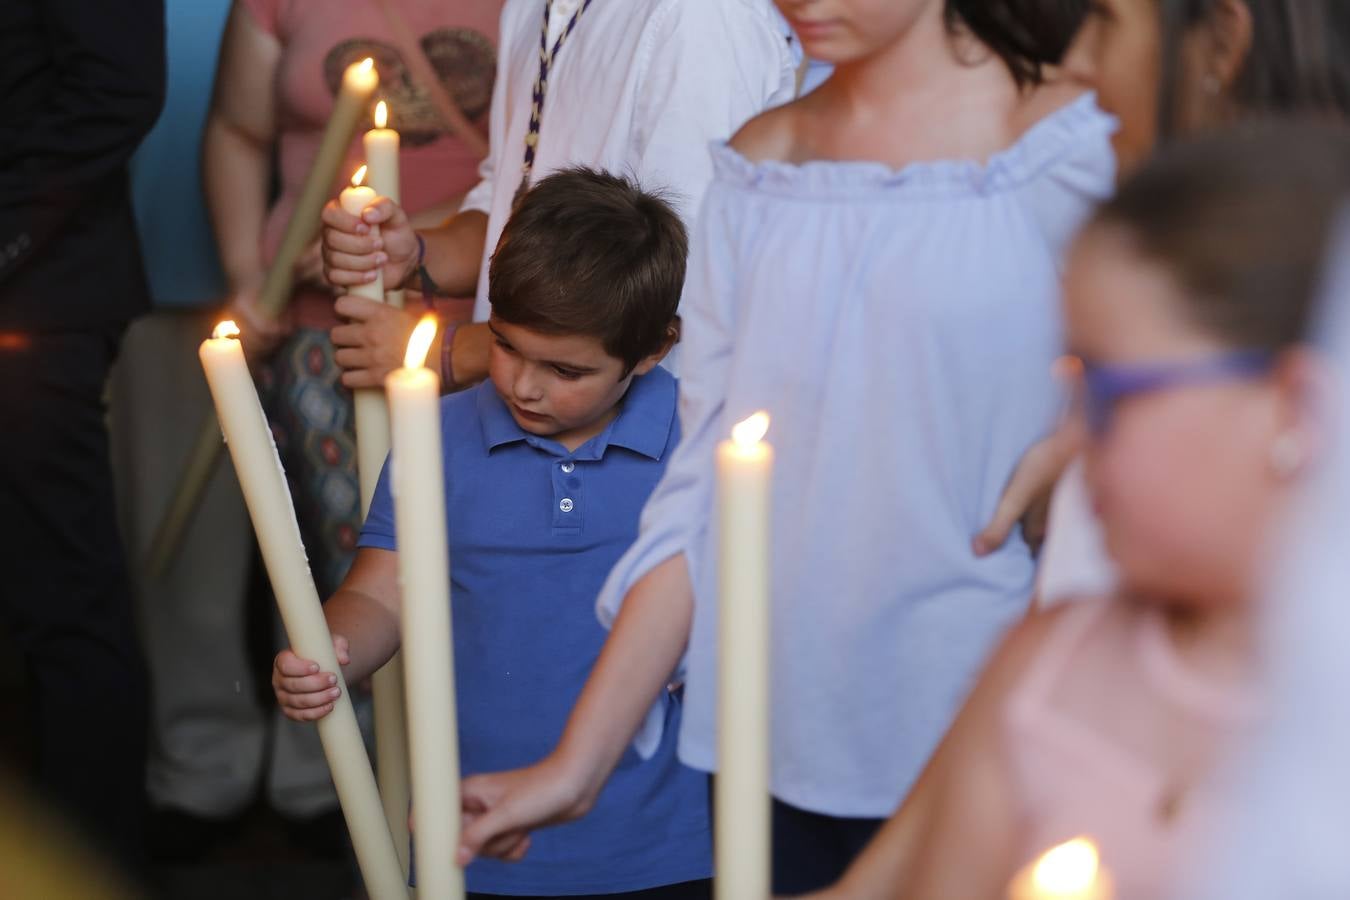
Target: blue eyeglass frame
[1106, 385]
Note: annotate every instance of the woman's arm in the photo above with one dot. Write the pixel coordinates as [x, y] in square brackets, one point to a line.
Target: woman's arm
[237, 161]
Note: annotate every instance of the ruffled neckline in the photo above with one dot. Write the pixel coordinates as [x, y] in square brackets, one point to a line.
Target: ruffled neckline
[1042, 145]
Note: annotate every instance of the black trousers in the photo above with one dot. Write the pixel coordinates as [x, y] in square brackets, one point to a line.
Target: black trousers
[812, 851]
[64, 596]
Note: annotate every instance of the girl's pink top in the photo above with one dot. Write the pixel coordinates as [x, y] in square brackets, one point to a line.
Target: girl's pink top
[319, 39]
[1111, 736]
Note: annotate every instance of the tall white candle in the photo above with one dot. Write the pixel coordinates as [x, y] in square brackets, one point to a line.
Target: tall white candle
[382, 146]
[268, 498]
[1069, 871]
[744, 473]
[428, 648]
[372, 448]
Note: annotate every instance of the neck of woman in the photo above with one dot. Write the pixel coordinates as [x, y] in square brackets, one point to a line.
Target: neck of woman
[929, 62]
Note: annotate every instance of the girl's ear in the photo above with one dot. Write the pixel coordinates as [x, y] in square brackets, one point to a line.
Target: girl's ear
[1306, 386]
[1228, 44]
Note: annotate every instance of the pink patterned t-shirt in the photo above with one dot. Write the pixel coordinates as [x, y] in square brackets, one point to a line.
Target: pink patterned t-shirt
[319, 38]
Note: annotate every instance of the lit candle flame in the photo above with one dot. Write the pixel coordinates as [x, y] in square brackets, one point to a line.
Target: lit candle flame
[366, 65]
[381, 114]
[420, 342]
[226, 329]
[1067, 870]
[359, 177]
[751, 431]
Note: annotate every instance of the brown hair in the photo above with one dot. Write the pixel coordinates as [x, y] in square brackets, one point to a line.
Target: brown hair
[589, 253]
[1241, 218]
[1299, 61]
[1026, 34]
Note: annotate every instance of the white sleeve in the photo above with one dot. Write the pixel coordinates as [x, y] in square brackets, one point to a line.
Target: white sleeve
[1074, 562]
[706, 67]
[480, 197]
[676, 515]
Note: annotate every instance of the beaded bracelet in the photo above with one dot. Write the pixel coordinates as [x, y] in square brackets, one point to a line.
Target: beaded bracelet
[429, 287]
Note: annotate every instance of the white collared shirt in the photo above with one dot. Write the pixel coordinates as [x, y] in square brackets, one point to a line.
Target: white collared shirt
[640, 88]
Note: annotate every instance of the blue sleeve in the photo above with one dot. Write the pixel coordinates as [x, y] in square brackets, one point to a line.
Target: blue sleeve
[378, 532]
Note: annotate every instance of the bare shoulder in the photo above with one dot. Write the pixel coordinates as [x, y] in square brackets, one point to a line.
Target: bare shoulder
[1047, 98]
[771, 135]
[1023, 644]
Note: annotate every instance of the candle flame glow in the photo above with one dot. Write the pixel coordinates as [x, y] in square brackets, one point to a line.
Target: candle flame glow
[359, 177]
[226, 329]
[420, 342]
[1068, 870]
[751, 431]
[381, 114]
[365, 65]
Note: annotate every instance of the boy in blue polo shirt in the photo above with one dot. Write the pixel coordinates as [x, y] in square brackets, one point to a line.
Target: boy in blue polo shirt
[547, 467]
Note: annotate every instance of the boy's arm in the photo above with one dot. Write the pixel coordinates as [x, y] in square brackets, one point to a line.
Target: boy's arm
[363, 617]
[643, 649]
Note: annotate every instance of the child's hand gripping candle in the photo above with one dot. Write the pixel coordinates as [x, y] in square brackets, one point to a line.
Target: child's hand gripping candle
[424, 572]
[269, 505]
[1070, 871]
[744, 474]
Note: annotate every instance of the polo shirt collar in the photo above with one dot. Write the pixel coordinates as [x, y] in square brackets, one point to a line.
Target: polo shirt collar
[643, 424]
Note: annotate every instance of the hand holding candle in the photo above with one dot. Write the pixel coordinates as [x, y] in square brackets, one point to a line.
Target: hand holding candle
[744, 478]
[354, 200]
[268, 498]
[382, 145]
[418, 483]
[1070, 871]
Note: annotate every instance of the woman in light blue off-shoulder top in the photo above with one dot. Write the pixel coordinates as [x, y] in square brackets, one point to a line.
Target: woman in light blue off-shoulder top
[899, 322]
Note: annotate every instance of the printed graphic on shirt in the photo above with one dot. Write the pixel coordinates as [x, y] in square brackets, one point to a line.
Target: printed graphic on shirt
[464, 59]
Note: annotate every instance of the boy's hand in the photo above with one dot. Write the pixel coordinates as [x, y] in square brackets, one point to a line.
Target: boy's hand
[304, 693]
[351, 254]
[372, 344]
[502, 808]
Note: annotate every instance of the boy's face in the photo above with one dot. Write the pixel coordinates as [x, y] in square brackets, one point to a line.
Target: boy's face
[564, 387]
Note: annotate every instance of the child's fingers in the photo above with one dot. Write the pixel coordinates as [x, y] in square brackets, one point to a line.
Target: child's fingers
[358, 309]
[363, 378]
[354, 262]
[340, 648]
[338, 219]
[321, 683]
[352, 358]
[287, 663]
[517, 853]
[348, 335]
[307, 715]
[382, 210]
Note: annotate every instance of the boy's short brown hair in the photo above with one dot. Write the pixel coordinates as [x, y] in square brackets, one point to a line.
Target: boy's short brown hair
[589, 253]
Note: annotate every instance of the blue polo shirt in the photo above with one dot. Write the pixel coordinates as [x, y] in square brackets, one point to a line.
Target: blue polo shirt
[534, 530]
